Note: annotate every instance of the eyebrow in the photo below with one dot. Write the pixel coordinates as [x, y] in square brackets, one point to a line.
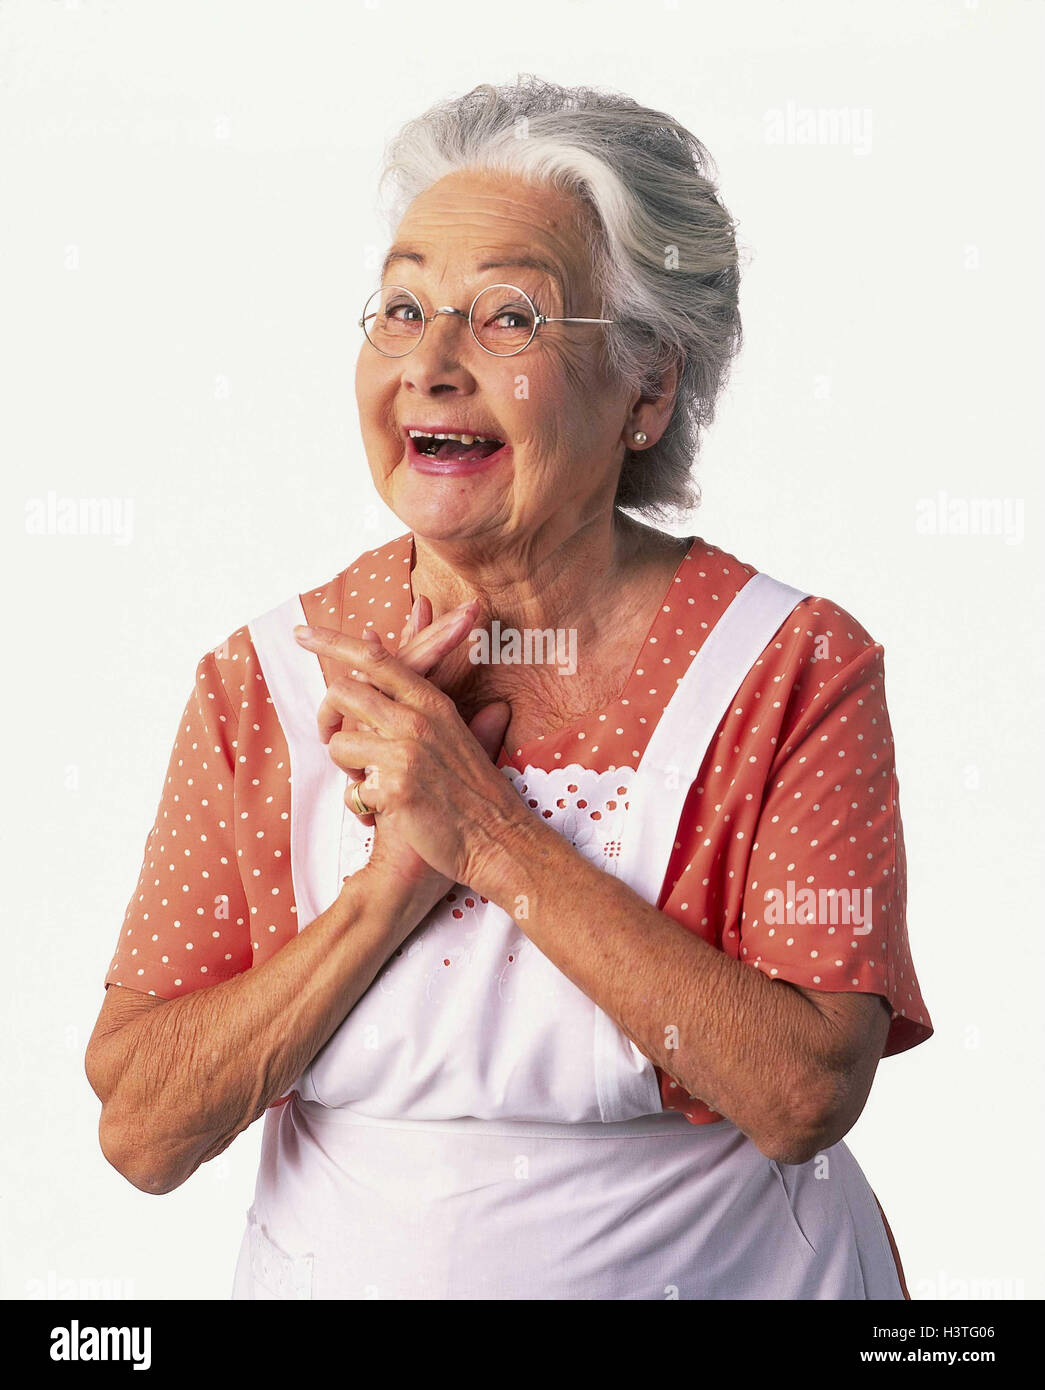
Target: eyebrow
[527, 262]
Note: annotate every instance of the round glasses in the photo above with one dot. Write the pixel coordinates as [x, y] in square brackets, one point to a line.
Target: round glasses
[502, 318]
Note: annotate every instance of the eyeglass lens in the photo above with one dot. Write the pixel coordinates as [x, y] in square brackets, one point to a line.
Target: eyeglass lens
[502, 320]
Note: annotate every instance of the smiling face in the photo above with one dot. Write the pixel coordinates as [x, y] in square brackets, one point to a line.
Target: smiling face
[562, 418]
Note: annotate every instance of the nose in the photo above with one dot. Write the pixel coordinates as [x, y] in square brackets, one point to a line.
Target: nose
[437, 359]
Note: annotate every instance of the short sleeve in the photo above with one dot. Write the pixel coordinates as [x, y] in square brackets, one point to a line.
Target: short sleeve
[825, 900]
[186, 925]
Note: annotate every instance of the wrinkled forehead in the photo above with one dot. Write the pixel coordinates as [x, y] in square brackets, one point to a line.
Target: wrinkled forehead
[476, 226]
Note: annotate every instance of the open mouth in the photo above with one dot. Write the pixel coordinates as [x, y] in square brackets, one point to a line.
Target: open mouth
[454, 449]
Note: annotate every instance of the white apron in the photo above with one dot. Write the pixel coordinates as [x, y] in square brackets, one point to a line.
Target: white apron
[477, 1127]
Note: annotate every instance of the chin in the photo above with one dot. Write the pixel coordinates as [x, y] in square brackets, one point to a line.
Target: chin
[437, 522]
[443, 508]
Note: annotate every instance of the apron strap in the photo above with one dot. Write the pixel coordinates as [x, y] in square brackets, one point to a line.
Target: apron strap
[295, 682]
[625, 1081]
[683, 734]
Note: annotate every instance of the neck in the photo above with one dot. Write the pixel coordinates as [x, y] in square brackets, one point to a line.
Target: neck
[544, 580]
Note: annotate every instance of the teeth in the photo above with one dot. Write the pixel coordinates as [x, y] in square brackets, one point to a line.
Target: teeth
[461, 438]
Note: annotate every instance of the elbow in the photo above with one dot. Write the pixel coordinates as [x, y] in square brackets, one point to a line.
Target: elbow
[124, 1134]
[133, 1160]
[118, 1151]
[805, 1126]
[793, 1148]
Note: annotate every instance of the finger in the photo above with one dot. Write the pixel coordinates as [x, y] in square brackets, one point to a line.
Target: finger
[370, 659]
[409, 631]
[363, 820]
[354, 753]
[422, 617]
[490, 725]
[429, 627]
[411, 626]
[425, 611]
[358, 779]
[357, 700]
[367, 777]
[431, 645]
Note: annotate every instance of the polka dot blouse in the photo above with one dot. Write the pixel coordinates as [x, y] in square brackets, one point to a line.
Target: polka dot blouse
[796, 801]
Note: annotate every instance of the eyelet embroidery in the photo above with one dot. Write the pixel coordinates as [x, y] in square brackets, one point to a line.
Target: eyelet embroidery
[587, 808]
[468, 960]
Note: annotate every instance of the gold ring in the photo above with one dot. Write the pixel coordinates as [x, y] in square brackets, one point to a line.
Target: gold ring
[358, 804]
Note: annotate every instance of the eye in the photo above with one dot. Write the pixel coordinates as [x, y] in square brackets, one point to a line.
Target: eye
[511, 317]
[402, 311]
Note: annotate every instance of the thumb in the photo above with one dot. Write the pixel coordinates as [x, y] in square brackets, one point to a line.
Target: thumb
[490, 724]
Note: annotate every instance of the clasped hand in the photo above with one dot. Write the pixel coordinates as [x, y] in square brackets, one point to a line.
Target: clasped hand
[429, 777]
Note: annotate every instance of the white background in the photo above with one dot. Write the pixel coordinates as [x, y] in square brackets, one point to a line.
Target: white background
[187, 233]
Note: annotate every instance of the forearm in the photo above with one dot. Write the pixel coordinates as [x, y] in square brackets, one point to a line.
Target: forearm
[193, 1073]
[752, 1049]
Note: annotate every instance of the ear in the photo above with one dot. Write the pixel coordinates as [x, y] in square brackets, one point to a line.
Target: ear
[651, 414]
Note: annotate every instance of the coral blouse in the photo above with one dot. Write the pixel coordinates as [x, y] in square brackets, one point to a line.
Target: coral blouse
[796, 803]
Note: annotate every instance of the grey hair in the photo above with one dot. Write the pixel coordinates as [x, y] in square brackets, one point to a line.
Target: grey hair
[665, 262]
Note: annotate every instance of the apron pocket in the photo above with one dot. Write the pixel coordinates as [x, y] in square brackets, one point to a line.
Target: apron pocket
[787, 1191]
[274, 1273]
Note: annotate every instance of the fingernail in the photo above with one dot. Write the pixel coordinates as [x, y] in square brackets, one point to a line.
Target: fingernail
[305, 632]
[369, 635]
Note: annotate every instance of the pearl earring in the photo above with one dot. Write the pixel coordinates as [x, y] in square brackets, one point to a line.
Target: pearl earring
[640, 436]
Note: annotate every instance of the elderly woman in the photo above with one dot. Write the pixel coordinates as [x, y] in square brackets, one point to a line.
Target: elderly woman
[540, 876]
